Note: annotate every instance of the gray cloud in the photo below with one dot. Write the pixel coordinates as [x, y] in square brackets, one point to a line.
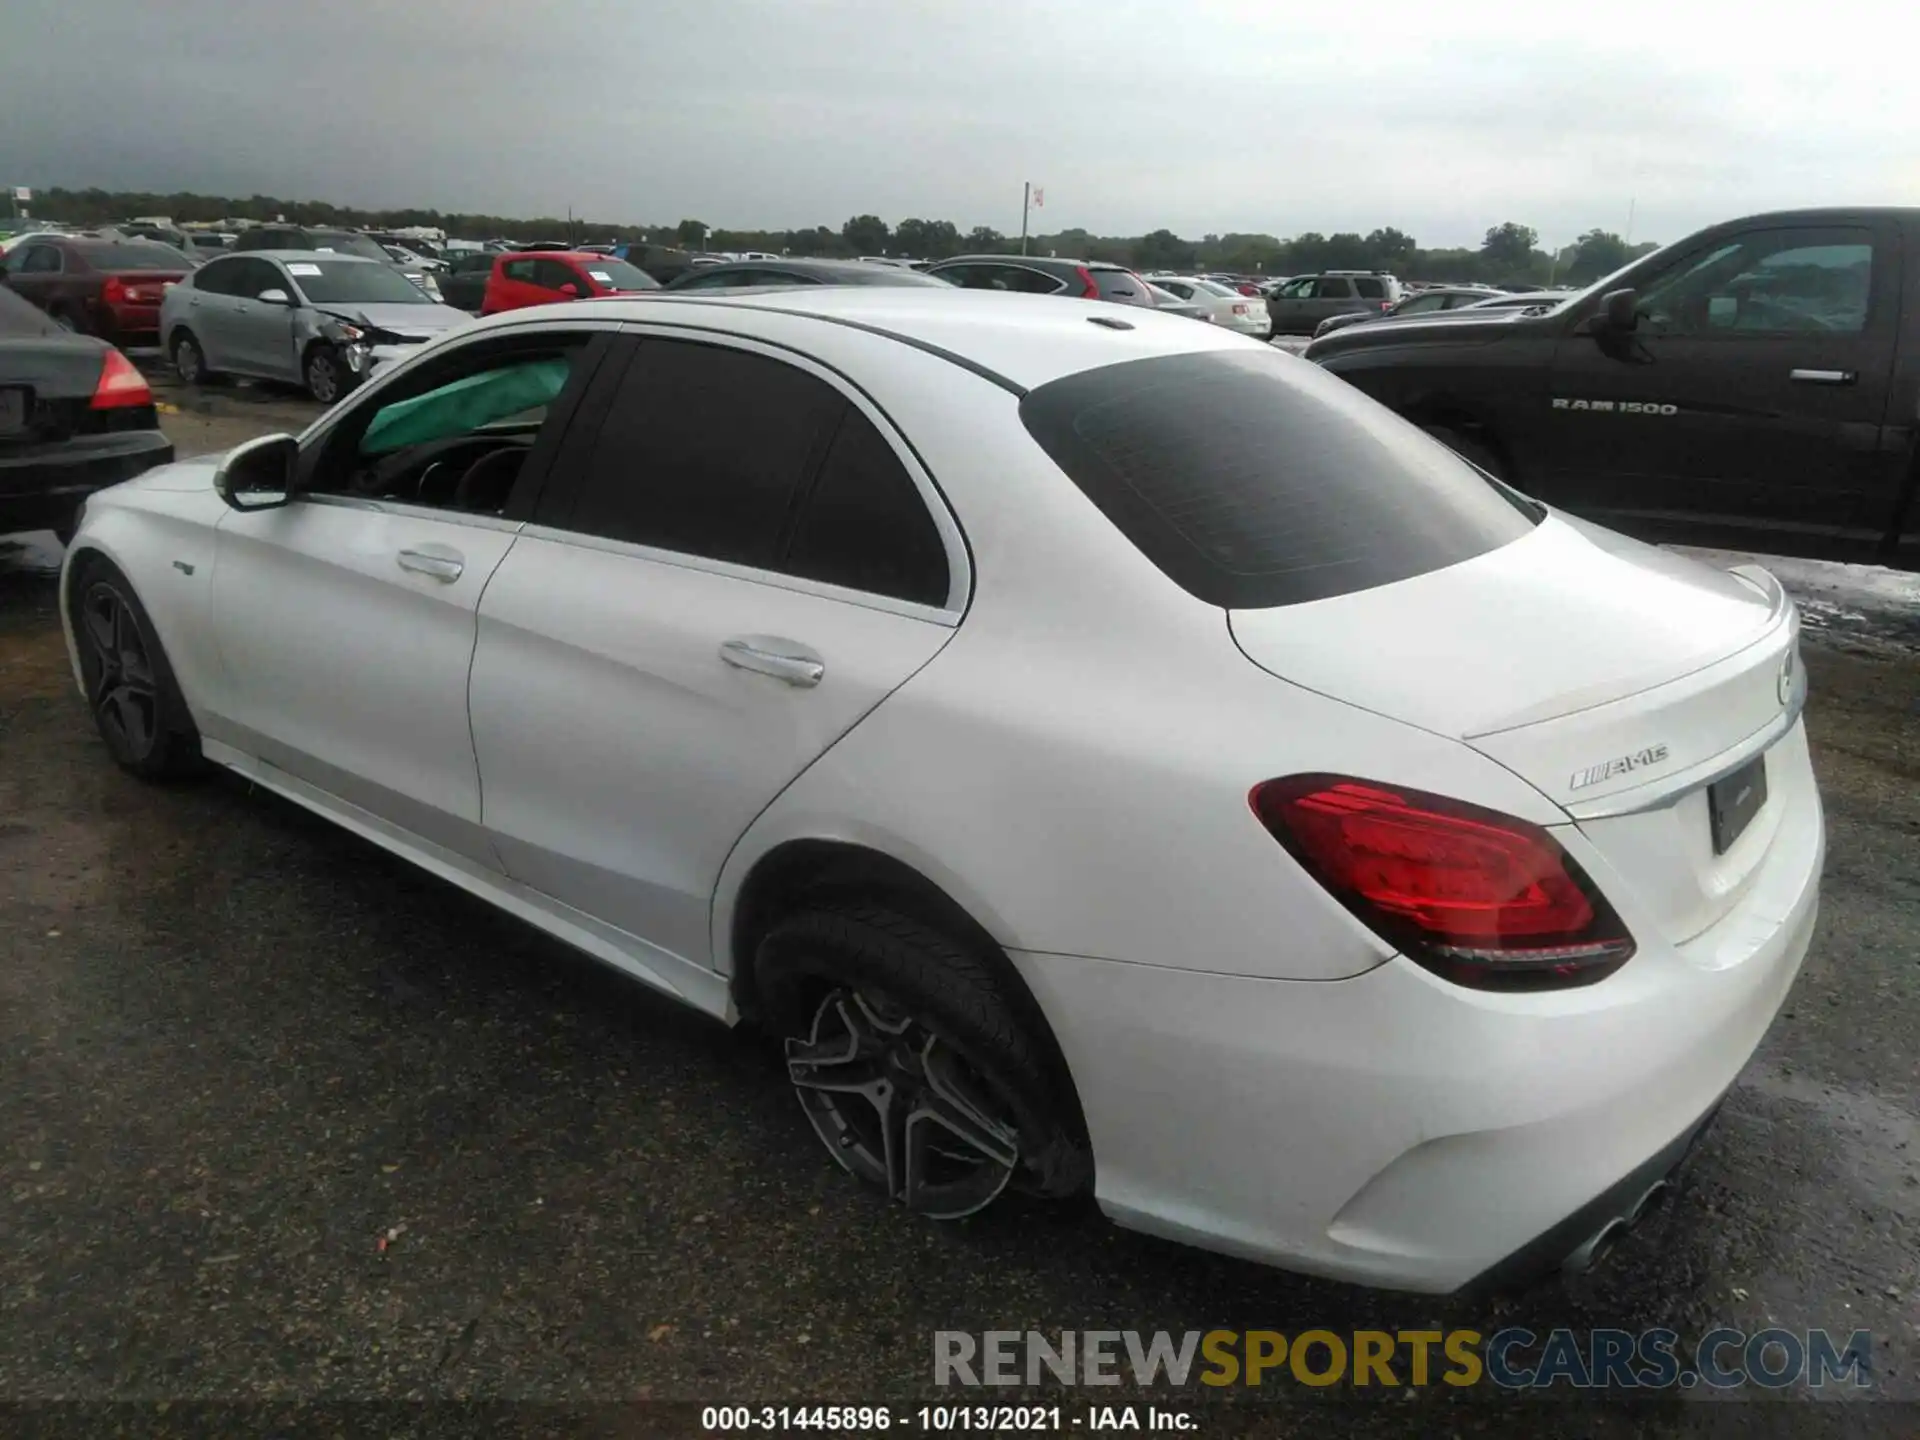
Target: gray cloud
[1207, 116]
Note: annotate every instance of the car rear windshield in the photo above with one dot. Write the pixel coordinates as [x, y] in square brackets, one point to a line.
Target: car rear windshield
[348, 282]
[1256, 480]
[618, 273]
[130, 255]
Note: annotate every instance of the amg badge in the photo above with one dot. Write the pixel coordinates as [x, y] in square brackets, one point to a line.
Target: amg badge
[1622, 765]
[1617, 407]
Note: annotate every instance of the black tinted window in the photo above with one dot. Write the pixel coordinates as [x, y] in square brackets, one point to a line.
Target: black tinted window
[1255, 480]
[1332, 289]
[702, 451]
[1370, 288]
[865, 525]
[21, 317]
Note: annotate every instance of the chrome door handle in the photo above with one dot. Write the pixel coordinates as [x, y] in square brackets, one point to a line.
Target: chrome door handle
[1822, 377]
[440, 567]
[782, 659]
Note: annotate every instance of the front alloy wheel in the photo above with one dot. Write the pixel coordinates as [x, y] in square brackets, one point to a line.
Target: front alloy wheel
[325, 380]
[121, 685]
[898, 1107]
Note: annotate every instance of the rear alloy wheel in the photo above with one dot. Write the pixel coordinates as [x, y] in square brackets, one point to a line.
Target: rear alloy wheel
[900, 1109]
[188, 363]
[130, 687]
[326, 374]
[918, 1070]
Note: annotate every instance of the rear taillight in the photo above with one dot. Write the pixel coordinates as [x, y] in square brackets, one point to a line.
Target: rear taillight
[1478, 897]
[114, 290]
[120, 384]
[1386, 304]
[1239, 309]
[1088, 290]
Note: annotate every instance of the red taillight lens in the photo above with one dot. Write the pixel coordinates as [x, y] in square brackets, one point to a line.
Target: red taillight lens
[1479, 897]
[1386, 304]
[114, 290]
[1088, 290]
[120, 384]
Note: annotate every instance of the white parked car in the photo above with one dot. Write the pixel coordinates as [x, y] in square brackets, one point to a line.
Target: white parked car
[1221, 304]
[1105, 752]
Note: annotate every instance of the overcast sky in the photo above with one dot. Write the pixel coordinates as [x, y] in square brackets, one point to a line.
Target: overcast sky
[1213, 115]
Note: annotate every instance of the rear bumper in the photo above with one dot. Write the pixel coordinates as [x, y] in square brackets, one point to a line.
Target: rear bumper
[1396, 1130]
[127, 322]
[42, 485]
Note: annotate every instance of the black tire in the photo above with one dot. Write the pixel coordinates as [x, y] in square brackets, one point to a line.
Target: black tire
[131, 691]
[326, 374]
[956, 1005]
[189, 360]
[1469, 448]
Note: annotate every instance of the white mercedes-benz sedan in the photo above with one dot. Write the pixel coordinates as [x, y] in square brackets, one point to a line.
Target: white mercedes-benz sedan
[1108, 754]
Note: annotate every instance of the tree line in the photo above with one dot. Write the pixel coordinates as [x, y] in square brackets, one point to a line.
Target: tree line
[1510, 252]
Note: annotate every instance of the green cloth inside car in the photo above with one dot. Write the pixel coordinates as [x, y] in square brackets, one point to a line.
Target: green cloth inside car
[465, 405]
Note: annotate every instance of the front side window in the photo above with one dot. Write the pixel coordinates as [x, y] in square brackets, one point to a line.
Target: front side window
[1298, 289]
[454, 434]
[1792, 281]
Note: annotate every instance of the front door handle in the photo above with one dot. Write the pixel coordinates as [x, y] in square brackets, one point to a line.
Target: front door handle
[768, 655]
[1823, 377]
[440, 567]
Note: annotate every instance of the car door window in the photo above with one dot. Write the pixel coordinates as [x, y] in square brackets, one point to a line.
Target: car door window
[257, 276]
[703, 450]
[552, 274]
[1298, 289]
[1174, 287]
[221, 277]
[455, 434]
[41, 260]
[865, 525]
[1370, 288]
[521, 270]
[1811, 280]
[1421, 303]
[1330, 288]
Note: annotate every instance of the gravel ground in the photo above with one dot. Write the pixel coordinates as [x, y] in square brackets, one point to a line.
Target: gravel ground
[286, 1122]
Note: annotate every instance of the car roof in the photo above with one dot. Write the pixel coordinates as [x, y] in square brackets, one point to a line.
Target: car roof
[1067, 260]
[1021, 341]
[308, 255]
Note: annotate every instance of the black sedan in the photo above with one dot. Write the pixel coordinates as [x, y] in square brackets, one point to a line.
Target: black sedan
[744, 274]
[75, 417]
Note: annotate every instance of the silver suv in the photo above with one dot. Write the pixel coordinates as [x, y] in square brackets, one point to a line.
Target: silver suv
[1298, 306]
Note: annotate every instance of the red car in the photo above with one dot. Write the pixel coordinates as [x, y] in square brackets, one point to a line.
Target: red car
[540, 277]
[109, 288]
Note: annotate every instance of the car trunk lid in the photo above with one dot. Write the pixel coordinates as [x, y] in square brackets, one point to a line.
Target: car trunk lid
[1617, 679]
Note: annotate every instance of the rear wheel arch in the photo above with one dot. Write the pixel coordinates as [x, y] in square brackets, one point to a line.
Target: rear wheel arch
[1443, 413]
[802, 875]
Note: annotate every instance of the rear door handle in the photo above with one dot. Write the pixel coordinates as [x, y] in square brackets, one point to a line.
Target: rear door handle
[1823, 377]
[768, 655]
[440, 567]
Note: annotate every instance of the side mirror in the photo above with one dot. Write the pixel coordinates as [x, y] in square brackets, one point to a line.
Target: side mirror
[275, 296]
[1619, 312]
[258, 475]
[570, 290]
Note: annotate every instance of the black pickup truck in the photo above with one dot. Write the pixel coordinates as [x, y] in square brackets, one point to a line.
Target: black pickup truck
[1754, 386]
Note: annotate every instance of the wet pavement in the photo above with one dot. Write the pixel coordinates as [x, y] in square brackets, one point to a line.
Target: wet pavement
[283, 1119]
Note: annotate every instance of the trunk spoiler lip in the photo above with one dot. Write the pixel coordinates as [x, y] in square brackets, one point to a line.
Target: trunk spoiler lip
[1781, 612]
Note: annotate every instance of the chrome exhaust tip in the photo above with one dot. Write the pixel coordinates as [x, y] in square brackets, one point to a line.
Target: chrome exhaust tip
[1593, 1250]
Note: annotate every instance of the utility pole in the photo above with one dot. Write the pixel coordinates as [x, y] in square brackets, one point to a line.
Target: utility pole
[1026, 199]
[1632, 200]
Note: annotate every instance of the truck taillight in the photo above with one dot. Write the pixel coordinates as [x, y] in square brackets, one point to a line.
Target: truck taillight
[1478, 897]
[120, 385]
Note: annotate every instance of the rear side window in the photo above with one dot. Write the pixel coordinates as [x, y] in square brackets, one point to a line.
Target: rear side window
[1122, 285]
[865, 525]
[703, 450]
[1253, 480]
[1332, 288]
[1370, 288]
